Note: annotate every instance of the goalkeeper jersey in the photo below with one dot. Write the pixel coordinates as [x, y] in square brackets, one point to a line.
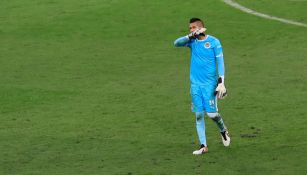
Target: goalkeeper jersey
[206, 58]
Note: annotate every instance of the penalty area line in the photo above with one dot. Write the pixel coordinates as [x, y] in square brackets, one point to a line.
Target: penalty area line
[250, 11]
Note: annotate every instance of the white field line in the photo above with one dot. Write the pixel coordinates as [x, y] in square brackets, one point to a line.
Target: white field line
[247, 10]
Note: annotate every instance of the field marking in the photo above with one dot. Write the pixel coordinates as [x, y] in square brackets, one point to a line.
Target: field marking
[250, 11]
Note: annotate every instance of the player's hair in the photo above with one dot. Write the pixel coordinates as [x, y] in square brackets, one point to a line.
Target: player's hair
[196, 20]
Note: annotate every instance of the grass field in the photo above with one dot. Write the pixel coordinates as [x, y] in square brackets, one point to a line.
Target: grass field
[97, 87]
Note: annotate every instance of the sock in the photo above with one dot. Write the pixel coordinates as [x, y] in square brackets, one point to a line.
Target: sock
[200, 127]
[219, 122]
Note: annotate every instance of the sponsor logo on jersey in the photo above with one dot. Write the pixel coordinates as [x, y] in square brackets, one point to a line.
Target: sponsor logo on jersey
[207, 45]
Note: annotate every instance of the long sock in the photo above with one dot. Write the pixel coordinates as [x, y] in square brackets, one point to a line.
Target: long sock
[201, 129]
[219, 122]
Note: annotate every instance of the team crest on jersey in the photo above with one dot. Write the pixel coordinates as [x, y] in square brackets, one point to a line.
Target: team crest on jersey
[207, 45]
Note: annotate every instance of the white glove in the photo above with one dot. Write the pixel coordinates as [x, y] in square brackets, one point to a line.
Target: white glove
[196, 33]
[220, 90]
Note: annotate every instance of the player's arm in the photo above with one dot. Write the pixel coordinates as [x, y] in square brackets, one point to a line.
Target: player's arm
[220, 89]
[182, 41]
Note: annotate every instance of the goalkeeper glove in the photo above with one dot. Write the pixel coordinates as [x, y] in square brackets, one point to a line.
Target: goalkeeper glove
[220, 90]
[191, 36]
[197, 33]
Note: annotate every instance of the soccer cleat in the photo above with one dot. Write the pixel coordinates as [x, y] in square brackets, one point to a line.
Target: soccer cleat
[203, 149]
[225, 138]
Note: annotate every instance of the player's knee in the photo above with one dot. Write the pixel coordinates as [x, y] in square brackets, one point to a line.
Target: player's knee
[199, 115]
[212, 115]
[215, 116]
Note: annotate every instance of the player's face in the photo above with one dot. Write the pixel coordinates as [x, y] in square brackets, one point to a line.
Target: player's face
[193, 26]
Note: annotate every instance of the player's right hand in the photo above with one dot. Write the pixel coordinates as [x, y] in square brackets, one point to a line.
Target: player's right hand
[191, 36]
[200, 31]
[196, 33]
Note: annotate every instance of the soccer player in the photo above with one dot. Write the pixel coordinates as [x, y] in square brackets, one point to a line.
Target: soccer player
[207, 79]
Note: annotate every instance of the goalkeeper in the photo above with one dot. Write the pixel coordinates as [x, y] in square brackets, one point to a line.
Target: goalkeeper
[207, 79]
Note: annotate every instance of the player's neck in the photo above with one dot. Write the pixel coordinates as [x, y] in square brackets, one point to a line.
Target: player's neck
[202, 37]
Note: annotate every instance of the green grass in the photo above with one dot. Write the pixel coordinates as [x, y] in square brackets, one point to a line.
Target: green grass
[288, 9]
[96, 87]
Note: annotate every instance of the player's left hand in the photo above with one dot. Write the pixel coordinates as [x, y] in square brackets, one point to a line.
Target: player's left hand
[220, 90]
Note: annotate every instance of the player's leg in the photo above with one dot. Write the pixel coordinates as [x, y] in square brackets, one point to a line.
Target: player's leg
[198, 109]
[217, 118]
[210, 104]
[200, 127]
[201, 132]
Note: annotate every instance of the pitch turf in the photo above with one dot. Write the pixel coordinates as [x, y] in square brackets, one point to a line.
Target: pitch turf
[96, 87]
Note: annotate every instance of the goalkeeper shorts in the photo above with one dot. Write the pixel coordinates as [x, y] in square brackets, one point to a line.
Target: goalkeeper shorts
[203, 99]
